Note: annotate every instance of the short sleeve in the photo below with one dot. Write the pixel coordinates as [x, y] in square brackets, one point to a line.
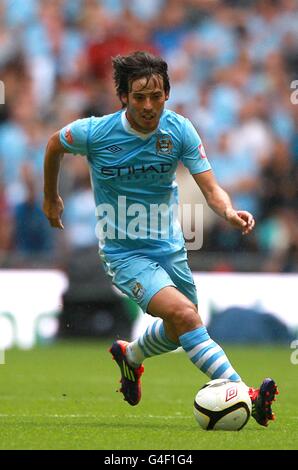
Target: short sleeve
[193, 153]
[74, 136]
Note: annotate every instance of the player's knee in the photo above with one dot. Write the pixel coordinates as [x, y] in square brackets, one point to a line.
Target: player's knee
[185, 317]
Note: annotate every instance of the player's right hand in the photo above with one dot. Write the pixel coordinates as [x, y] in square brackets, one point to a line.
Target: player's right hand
[53, 210]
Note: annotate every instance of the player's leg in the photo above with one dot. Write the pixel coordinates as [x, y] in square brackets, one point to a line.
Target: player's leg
[173, 271]
[180, 324]
[183, 324]
[152, 287]
[153, 342]
[130, 356]
[139, 278]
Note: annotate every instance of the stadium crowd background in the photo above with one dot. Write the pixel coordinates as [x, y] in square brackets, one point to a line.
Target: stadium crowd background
[231, 67]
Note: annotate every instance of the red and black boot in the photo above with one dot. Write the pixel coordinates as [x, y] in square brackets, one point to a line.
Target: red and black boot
[261, 399]
[130, 376]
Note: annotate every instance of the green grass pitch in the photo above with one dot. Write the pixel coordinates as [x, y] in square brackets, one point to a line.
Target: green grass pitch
[63, 396]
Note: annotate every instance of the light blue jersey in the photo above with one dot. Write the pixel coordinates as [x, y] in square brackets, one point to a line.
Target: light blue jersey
[133, 179]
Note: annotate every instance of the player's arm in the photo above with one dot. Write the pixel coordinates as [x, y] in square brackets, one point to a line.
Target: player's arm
[71, 139]
[53, 203]
[218, 200]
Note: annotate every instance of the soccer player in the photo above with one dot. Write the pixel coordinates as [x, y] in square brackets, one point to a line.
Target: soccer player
[133, 155]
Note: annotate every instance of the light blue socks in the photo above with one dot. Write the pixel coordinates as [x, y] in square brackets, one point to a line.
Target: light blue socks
[207, 355]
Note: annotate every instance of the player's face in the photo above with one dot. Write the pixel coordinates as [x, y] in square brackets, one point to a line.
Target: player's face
[145, 103]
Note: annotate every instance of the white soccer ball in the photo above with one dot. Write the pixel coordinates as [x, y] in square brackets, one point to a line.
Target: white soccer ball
[222, 404]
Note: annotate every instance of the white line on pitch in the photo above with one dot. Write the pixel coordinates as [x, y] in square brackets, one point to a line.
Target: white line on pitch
[91, 416]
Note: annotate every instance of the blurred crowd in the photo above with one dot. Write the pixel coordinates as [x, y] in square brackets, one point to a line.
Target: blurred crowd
[234, 73]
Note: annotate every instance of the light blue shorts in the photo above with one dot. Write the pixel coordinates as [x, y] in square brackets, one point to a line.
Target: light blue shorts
[140, 277]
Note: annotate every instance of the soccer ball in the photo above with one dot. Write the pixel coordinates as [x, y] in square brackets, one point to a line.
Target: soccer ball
[222, 404]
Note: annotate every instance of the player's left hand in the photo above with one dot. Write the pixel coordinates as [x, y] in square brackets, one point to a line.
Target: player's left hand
[242, 220]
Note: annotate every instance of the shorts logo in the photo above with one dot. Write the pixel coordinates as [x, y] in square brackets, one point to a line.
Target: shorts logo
[68, 136]
[138, 291]
[164, 144]
[231, 393]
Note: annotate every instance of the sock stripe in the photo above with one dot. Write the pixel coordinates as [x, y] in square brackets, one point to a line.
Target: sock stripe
[194, 337]
[214, 361]
[225, 371]
[212, 349]
[149, 350]
[234, 377]
[155, 348]
[167, 341]
[204, 351]
[160, 335]
[218, 365]
[145, 345]
[157, 345]
[151, 334]
[149, 330]
[140, 342]
[207, 355]
[198, 348]
[154, 341]
[157, 335]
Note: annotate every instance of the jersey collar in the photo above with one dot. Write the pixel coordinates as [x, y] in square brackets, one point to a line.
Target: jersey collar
[130, 130]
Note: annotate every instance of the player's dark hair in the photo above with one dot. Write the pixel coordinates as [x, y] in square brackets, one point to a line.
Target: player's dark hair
[137, 65]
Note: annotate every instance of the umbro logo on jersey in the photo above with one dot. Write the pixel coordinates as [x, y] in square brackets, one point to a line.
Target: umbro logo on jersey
[113, 148]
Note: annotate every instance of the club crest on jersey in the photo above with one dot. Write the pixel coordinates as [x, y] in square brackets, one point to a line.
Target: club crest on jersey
[164, 144]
